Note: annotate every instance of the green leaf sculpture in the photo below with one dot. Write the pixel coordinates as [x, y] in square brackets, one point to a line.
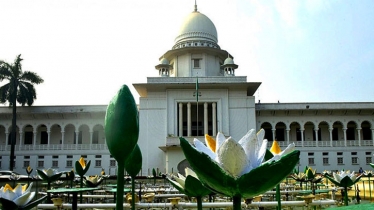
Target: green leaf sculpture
[121, 132]
[133, 165]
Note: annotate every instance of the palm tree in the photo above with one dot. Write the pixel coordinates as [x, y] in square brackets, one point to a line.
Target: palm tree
[19, 89]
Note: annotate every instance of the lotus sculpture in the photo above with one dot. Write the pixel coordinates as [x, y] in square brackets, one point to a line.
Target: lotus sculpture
[237, 168]
[190, 185]
[49, 175]
[18, 198]
[93, 181]
[344, 179]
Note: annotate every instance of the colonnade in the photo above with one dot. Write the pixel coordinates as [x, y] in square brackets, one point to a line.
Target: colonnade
[189, 118]
[330, 135]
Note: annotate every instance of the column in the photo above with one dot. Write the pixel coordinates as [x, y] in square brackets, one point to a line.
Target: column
[302, 137]
[205, 118]
[34, 140]
[180, 133]
[91, 134]
[345, 136]
[316, 133]
[330, 131]
[76, 139]
[20, 139]
[359, 136]
[6, 138]
[372, 135]
[288, 136]
[273, 130]
[188, 119]
[49, 137]
[62, 139]
[214, 118]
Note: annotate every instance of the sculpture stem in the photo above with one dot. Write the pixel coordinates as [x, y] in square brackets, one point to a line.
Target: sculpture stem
[345, 196]
[237, 202]
[199, 203]
[81, 194]
[133, 193]
[120, 185]
[278, 197]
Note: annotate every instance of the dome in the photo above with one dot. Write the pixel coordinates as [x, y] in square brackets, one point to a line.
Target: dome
[228, 61]
[197, 27]
[164, 61]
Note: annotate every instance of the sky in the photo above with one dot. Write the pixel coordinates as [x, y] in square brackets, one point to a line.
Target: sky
[85, 50]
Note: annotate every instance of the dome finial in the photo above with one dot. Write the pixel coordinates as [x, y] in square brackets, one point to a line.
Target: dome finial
[195, 7]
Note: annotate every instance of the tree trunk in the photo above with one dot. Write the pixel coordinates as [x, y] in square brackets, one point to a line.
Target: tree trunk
[13, 132]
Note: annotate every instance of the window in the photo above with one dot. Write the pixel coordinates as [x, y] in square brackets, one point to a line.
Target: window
[353, 153]
[69, 156]
[43, 137]
[325, 153]
[55, 156]
[40, 164]
[351, 133]
[55, 164]
[41, 157]
[279, 134]
[325, 161]
[112, 163]
[26, 157]
[97, 163]
[69, 163]
[339, 153]
[368, 160]
[335, 135]
[196, 63]
[311, 161]
[28, 137]
[95, 137]
[340, 161]
[367, 153]
[310, 153]
[26, 163]
[354, 160]
[298, 134]
[97, 156]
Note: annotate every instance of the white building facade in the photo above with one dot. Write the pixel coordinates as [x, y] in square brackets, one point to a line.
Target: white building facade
[196, 92]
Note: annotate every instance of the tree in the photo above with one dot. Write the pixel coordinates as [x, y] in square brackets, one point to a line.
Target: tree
[19, 89]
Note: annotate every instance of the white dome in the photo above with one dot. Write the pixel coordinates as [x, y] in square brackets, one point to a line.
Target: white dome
[229, 61]
[164, 61]
[197, 27]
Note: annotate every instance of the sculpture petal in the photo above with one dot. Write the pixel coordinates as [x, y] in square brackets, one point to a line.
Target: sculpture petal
[202, 148]
[232, 157]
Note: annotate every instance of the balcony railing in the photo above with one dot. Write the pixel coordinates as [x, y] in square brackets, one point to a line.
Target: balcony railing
[30, 147]
[170, 141]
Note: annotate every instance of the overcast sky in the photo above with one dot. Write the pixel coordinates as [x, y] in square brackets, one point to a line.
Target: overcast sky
[301, 51]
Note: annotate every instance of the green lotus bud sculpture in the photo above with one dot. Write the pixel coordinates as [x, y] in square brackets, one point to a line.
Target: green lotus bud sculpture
[121, 132]
[236, 169]
[190, 185]
[344, 179]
